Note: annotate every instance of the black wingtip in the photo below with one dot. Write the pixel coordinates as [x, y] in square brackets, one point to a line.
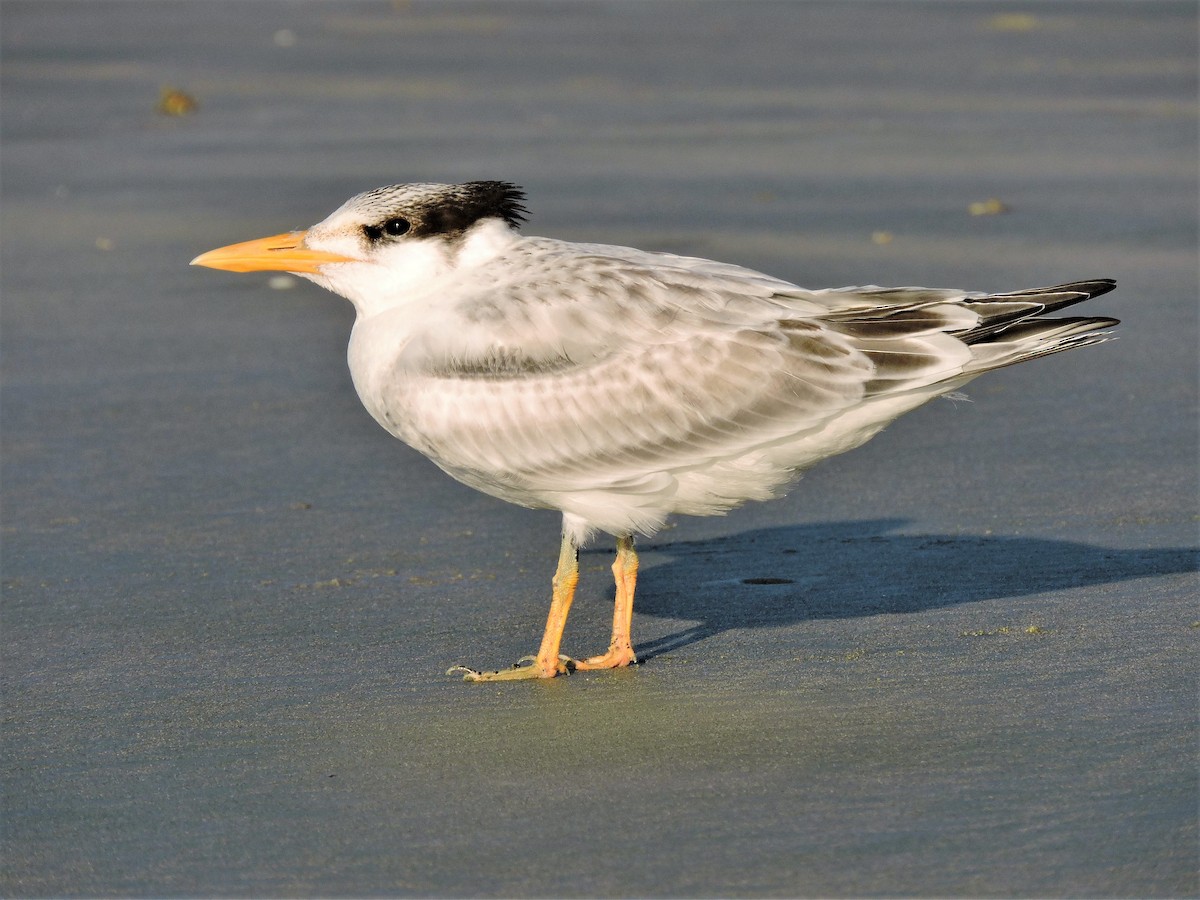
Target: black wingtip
[1093, 288]
[1060, 296]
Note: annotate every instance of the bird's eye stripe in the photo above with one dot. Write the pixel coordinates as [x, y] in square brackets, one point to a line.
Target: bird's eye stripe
[394, 227]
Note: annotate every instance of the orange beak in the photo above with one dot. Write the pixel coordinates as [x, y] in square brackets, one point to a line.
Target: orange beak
[278, 253]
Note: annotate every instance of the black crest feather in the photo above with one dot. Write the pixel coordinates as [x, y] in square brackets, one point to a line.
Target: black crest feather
[460, 206]
[505, 199]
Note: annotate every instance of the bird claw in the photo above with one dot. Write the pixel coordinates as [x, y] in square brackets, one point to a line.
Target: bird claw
[516, 672]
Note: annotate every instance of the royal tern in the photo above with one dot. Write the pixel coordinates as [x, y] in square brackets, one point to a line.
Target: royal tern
[619, 386]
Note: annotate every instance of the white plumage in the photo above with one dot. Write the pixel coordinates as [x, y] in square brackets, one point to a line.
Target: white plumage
[621, 386]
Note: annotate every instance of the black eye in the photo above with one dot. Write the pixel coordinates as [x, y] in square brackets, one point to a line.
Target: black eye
[393, 227]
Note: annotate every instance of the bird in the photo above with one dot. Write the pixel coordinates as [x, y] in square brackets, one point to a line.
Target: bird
[621, 386]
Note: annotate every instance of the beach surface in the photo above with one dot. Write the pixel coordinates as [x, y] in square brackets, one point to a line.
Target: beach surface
[959, 661]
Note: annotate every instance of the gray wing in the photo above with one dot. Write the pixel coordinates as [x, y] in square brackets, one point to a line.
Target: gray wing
[600, 375]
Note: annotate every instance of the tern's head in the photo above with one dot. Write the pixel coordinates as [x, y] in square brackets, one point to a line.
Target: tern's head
[382, 242]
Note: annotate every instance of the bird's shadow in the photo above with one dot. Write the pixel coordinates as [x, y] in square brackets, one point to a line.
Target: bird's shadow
[779, 576]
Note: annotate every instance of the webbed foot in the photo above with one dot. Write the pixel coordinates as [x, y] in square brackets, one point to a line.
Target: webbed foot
[518, 672]
[615, 658]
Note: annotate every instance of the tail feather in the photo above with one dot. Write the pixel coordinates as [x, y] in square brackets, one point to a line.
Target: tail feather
[999, 313]
[906, 331]
[1037, 337]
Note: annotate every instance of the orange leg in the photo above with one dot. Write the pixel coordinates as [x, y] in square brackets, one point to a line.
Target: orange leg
[548, 662]
[620, 650]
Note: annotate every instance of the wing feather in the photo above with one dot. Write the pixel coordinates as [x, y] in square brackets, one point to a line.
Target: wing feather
[620, 386]
[643, 409]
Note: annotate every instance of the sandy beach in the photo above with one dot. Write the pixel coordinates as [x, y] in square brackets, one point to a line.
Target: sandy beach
[959, 661]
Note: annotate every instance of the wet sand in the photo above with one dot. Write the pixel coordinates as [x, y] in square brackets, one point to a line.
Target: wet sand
[960, 661]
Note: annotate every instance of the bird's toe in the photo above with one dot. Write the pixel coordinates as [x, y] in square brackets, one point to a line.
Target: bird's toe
[519, 671]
